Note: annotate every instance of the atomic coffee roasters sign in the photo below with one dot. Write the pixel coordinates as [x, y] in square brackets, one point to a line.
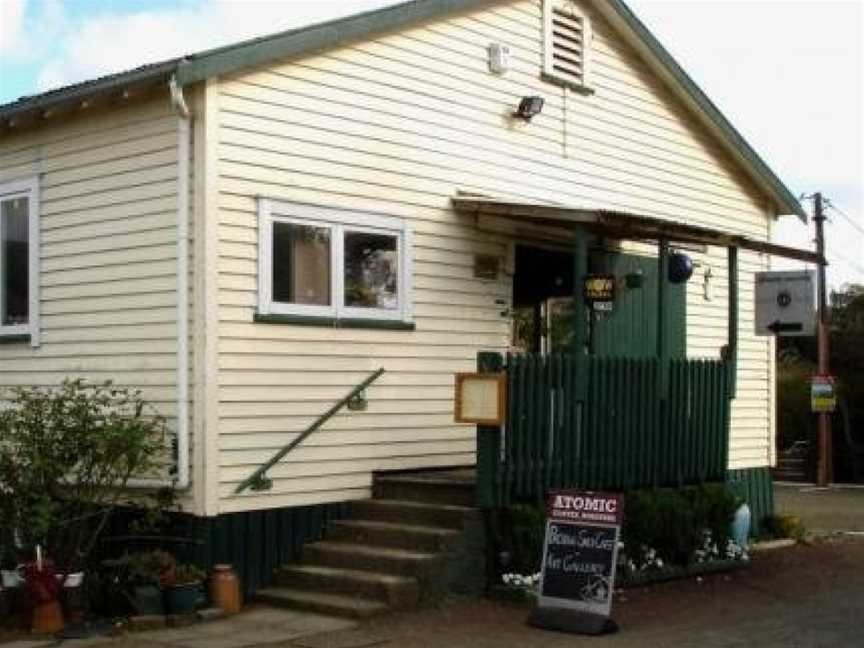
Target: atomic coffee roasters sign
[580, 551]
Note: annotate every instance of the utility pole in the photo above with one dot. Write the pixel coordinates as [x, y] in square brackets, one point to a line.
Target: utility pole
[824, 474]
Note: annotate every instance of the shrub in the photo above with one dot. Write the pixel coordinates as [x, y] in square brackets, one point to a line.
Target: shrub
[527, 525]
[66, 455]
[661, 526]
[673, 522]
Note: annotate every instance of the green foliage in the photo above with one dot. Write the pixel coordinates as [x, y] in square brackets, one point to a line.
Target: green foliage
[670, 521]
[785, 526]
[189, 575]
[798, 358]
[149, 568]
[673, 521]
[528, 529]
[794, 419]
[66, 454]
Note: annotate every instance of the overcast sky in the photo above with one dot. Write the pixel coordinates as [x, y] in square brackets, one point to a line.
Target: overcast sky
[789, 74]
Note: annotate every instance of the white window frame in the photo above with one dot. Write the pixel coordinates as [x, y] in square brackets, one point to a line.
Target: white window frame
[339, 222]
[549, 72]
[26, 188]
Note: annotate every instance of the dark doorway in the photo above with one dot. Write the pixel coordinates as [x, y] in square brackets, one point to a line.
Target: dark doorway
[543, 314]
[542, 299]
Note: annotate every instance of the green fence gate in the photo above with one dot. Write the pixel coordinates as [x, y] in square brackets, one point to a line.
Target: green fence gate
[604, 423]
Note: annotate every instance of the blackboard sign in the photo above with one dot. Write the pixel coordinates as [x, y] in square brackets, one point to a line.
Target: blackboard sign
[580, 551]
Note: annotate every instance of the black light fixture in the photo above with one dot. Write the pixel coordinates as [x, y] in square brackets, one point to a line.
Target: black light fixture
[529, 107]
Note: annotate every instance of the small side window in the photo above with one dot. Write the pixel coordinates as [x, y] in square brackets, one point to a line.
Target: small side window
[320, 262]
[566, 45]
[19, 260]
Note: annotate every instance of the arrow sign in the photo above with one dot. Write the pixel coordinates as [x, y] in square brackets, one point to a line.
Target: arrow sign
[784, 327]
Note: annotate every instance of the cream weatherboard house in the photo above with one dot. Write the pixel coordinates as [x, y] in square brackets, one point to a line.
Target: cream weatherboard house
[249, 233]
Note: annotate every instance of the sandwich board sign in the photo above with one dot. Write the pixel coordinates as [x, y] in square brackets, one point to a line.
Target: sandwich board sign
[786, 303]
[580, 552]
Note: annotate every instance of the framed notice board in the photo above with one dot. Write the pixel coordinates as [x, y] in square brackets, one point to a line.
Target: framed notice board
[481, 398]
[580, 551]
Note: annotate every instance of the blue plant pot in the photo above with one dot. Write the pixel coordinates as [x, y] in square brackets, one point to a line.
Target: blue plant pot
[182, 599]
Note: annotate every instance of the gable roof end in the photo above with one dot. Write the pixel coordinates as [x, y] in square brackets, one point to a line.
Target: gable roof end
[322, 36]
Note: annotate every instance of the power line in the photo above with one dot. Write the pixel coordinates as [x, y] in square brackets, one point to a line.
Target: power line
[846, 216]
[842, 260]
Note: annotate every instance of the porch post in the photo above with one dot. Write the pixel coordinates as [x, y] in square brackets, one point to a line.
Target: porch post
[488, 483]
[580, 324]
[732, 347]
[662, 307]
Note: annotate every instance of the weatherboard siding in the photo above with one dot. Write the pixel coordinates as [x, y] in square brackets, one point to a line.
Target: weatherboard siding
[108, 184]
[396, 125]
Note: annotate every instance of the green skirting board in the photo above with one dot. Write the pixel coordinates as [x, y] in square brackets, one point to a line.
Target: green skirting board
[754, 485]
[254, 542]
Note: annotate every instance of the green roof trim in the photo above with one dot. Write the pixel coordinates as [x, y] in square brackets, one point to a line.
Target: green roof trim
[782, 194]
[326, 35]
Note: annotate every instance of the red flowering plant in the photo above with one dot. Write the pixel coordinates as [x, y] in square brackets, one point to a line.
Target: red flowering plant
[42, 582]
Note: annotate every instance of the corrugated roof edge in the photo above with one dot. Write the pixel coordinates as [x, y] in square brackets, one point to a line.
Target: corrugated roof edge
[163, 69]
[329, 34]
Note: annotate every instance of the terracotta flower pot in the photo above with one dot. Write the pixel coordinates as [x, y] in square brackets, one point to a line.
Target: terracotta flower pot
[225, 589]
[47, 618]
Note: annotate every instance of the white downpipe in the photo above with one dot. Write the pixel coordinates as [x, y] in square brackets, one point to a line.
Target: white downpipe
[183, 153]
[182, 480]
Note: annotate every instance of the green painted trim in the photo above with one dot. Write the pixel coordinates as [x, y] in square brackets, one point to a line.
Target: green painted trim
[333, 322]
[782, 193]
[663, 317]
[732, 348]
[317, 37]
[256, 542]
[580, 325]
[14, 339]
[755, 487]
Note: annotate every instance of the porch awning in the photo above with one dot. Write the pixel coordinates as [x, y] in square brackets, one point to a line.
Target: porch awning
[621, 225]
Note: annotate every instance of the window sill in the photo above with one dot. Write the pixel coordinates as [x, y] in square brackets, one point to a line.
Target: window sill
[575, 87]
[333, 322]
[14, 338]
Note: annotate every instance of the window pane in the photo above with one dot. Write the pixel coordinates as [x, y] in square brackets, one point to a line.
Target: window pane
[301, 264]
[371, 271]
[14, 241]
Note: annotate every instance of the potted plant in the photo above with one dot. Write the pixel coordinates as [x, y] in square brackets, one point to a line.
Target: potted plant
[44, 590]
[186, 592]
[10, 569]
[146, 574]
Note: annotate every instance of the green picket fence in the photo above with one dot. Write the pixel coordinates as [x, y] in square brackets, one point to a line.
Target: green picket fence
[605, 423]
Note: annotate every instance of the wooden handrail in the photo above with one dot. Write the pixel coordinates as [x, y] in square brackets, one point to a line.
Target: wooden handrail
[259, 481]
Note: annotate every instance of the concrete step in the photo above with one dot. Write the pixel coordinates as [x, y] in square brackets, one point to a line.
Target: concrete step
[398, 592]
[392, 534]
[321, 603]
[427, 488]
[410, 512]
[384, 560]
[791, 462]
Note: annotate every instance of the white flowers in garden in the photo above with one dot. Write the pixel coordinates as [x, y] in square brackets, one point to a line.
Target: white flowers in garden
[710, 551]
[528, 582]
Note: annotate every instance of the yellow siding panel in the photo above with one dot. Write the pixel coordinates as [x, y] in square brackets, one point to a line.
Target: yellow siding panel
[397, 125]
[108, 258]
